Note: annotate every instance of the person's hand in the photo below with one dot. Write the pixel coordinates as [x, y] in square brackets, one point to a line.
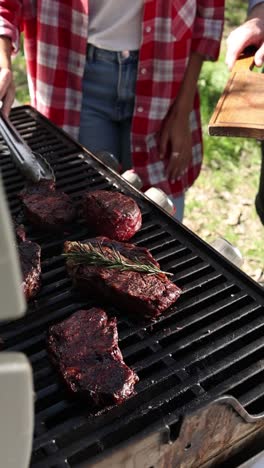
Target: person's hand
[175, 138]
[7, 86]
[251, 33]
[7, 90]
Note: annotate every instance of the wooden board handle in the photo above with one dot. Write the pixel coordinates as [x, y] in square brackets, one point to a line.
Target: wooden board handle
[240, 109]
[245, 61]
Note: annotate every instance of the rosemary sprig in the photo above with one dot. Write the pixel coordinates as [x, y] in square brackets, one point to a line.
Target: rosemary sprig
[93, 254]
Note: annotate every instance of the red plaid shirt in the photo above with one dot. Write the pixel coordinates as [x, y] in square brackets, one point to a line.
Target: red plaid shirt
[56, 33]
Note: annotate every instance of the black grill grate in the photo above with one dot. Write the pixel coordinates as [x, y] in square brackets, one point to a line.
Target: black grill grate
[211, 343]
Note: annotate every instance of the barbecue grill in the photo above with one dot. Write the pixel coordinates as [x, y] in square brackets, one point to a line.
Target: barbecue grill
[200, 398]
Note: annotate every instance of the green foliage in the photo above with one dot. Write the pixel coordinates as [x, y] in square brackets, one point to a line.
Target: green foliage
[20, 76]
[212, 81]
[235, 13]
[221, 203]
[222, 152]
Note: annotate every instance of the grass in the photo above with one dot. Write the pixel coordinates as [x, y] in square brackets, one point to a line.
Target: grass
[235, 14]
[212, 81]
[211, 84]
[19, 67]
[221, 203]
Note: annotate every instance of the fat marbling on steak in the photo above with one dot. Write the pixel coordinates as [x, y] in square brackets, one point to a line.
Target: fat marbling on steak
[84, 349]
[111, 214]
[45, 207]
[29, 254]
[138, 293]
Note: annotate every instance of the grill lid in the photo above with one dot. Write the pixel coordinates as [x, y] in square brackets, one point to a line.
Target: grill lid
[211, 343]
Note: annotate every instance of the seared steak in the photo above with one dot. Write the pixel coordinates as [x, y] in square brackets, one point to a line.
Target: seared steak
[29, 253]
[47, 208]
[111, 214]
[138, 293]
[20, 232]
[84, 349]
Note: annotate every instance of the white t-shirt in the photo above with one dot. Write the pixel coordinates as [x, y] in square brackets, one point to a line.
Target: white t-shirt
[115, 24]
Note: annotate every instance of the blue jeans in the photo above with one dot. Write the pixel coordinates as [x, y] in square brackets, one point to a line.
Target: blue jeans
[108, 90]
[108, 102]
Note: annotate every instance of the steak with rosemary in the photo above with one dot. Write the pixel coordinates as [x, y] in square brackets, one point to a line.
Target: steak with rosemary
[137, 292]
[46, 208]
[84, 349]
[111, 214]
[29, 254]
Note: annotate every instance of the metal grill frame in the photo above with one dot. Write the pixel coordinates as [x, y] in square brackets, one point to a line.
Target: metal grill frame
[180, 370]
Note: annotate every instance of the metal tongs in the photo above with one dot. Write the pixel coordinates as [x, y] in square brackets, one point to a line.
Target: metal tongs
[32, 165]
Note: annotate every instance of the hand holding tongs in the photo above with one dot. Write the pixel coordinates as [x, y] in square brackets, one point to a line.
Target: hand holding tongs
[32, 165]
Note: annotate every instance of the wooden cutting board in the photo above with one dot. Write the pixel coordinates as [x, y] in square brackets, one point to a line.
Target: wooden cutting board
[240, 110]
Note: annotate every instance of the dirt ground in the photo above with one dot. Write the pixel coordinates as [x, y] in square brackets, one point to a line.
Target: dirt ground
[230, 215]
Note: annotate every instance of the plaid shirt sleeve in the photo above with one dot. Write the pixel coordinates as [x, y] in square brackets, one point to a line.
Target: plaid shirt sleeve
[10, 21]
[208, 27]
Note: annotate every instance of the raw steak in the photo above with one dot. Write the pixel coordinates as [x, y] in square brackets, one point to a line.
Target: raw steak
[84, 349]
[47, 208]
[111, 214]
[29, 253]
[138, 293]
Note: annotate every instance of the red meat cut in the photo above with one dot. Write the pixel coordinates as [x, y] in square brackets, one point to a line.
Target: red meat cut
[84, 349]
[138, 293]
[29, 254]
[46, 208]
[111, 214]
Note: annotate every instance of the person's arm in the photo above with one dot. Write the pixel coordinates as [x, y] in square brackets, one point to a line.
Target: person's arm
[7, 87]
[251, 33]
[175, 135]
[176, 129]
[10, 18]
